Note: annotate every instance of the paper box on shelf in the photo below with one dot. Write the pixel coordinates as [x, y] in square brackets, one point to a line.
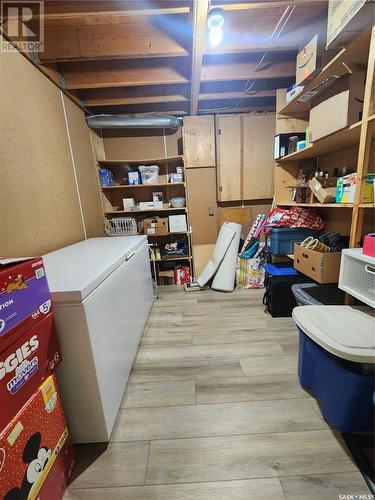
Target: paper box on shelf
[24, 365]
[324, 195]
[369, 188]
[345, 188]
[157, 226]
[307, 63]
[323, 267]
[147, 205]
[338, 107]
[33, 442]
[25, 298]
[346, 18]
[177, 223]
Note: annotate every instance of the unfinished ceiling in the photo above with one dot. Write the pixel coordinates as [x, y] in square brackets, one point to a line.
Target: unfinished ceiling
[139, 57]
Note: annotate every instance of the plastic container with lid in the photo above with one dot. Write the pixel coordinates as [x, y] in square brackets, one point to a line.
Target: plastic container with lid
[313, 294]
[149, 174]
[336, 363]
[281, 240]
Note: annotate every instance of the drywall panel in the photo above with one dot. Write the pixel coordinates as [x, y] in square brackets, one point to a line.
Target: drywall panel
[39, 208]
[242, 215]
[97, 145]
[199, 141]
[258, 162]
[201, 255]
[140, 144]
[202, 206]
[85, 166]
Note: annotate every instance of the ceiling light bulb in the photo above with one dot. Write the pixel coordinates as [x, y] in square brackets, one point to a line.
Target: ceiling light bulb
[215, 36]
[215, 18]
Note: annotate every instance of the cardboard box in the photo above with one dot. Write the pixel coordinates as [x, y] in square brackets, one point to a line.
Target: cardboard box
[24, 365]
[146, 205]
[338, 107]
[346, 18]
[319, 266]
[25, 298]
[324, 195]
[32, 443]
[368, 189]
[177, 224]
[345, 188]
[158, 226]
[307, 61]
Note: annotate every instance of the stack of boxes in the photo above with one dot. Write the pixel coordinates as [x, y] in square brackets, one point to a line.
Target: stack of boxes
[36, 454]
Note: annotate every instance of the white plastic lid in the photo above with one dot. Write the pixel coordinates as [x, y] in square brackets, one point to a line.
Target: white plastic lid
[344, 331]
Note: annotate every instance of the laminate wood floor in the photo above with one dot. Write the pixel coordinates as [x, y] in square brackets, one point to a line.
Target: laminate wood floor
[213, 410]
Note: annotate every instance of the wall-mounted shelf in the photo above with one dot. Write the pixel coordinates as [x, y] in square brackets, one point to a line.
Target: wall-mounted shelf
[317, 205]
[343, 138]
[135, 212]
[349, 57]
[154, 161]
[171, 259]
[139, 186]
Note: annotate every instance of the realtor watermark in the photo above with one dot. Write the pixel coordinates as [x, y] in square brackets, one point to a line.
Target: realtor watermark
[23, 25]
[358, 496]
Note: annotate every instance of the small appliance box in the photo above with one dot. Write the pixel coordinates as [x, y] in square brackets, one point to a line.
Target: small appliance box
[323, 267]
[182, 275]
[345, 188]
[281, 143]
[324, 195]
[158, 226]
[177, 223]
[36, 456]
[24, 365]
[25, 298]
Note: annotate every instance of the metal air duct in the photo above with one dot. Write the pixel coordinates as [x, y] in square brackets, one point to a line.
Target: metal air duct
[133, 121]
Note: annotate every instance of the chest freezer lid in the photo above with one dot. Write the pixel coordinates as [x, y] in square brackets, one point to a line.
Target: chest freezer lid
[343, 331]
[75, 271]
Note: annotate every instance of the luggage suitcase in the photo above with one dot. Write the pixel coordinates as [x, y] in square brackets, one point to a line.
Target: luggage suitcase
[278, 298]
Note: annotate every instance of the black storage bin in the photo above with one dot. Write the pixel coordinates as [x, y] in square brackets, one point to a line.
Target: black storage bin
[278, 298]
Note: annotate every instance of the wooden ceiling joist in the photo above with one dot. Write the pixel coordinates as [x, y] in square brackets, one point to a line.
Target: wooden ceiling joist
[243, 70]
[217, 96]
[199, 42]
[113, 41]
[258, 5]
[107, 16]
[96, 75]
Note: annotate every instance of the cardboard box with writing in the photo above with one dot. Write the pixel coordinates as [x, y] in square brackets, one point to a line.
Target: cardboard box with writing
[323, 267]
[157, 226]
[346, 18]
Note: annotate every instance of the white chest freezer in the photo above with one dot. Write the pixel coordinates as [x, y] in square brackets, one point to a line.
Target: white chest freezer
[102, 294]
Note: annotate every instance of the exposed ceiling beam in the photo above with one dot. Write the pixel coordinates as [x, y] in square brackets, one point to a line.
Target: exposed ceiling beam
[100, 42]
[112, 16]
[236, 95]
[236, 110]
[199, 41]
[124, 101]
[96, 75]
[260, 5]
[244, 70]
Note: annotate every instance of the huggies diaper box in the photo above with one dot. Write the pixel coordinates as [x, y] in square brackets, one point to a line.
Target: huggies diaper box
[25, 298]
[36, 455]
[24, 365]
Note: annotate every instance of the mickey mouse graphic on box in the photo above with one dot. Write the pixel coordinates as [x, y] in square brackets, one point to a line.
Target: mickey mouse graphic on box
[25, 298]
[36, 454]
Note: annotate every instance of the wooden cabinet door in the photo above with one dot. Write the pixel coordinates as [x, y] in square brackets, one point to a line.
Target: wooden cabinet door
[229, 156]
[199, 141]
[258, 162]
[202, 207]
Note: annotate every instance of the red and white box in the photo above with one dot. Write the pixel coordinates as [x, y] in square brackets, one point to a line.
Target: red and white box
[24, 365]
[36, 455]
[25, 298]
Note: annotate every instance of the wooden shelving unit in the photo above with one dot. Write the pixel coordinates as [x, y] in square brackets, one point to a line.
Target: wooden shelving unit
[351, 146]
[112, 200]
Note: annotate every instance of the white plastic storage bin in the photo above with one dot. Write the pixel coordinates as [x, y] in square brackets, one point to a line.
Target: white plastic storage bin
[357, 275]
